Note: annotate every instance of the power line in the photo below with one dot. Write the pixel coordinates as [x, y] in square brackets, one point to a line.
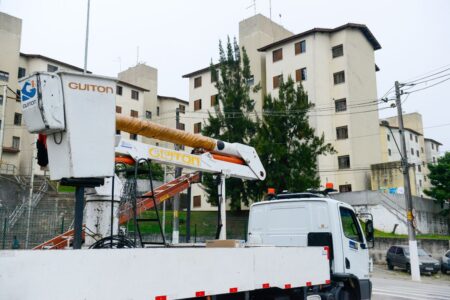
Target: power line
[434, 74]
[430, 86]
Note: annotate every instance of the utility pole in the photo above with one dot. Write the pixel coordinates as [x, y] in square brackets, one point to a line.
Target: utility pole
[2, 125]
[413, 254]
[87, 37]
[176, 198]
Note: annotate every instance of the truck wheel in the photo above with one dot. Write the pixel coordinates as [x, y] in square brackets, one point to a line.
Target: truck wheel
[443, 270]
[389, 265]
[408, 268]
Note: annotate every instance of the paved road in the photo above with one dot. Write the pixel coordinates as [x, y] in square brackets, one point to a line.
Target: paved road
[397, 285]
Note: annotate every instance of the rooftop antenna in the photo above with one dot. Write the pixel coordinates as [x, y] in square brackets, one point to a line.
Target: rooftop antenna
[270, 9]
[254, 6]
[137, 55]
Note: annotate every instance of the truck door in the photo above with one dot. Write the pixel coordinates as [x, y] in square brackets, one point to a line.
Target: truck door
[356, 255]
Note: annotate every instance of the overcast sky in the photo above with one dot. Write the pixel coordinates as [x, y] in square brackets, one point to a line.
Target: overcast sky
[181, 36]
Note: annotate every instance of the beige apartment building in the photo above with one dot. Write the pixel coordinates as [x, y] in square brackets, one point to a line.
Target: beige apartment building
[136, 95]
[387, 176]
[336, 67]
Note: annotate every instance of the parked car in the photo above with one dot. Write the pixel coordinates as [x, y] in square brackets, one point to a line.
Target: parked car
[398, 256]
[445, 264]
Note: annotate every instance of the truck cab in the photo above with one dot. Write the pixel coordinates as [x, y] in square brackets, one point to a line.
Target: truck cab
[304, 220]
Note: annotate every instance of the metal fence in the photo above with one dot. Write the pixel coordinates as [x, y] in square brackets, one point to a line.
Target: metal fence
[44, 224]
[27, 233]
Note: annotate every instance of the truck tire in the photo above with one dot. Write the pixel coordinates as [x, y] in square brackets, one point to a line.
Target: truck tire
[408, 268]
[390, 266]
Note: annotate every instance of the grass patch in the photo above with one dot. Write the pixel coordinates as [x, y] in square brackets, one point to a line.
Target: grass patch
[66, 189]
[382, 234]
[203, 223]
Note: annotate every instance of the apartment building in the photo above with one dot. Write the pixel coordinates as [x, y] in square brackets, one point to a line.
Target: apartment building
[136, 95]
[336, 67]
[387, 176]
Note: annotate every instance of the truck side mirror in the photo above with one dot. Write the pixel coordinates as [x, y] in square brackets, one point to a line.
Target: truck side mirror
[370, 232]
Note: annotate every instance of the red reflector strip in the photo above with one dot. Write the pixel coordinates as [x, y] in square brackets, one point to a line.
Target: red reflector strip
[200, 294]
[161, 298]
[233, 290]
[266, 285]
[287, 286]
[326, 248]
[308, 283]
[328, 281]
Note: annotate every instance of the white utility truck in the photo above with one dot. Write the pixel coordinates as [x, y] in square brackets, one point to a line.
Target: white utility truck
[299, 245]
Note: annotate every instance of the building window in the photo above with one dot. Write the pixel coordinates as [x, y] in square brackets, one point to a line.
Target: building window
[197, 201]
[277, 81]
[157, 110]
[52, 68]
[148, 114]
[432, 146]
[300, 47]
[197, 104]
[214, 101]
[134, 95]
[434, 159]
[412, 151]
[0, 123]
[134, 114]
[389, 152]
[16, 142]
[181, 126]
[133, 136]
[198, 127]
[214, 76]
[423, 163]
[4, 76]
[410, 137]
[21, 73]
[342, 132]
[118, 109]
[344, 162]
[425, 178]
[18, 95]
[182, 108]
[340, 105]
[437, 147]
[277, 55]
[421, 149]
[345, 188]
[197, 81]
[251, 80]
[119, 90]
[417, 153]
[416, 139]
[1, 99]
[300, 74]
[117, 132]
[339, 77]
[420, 182]
[337, 51]
[388, 137]
[17, 119]
[419, 168]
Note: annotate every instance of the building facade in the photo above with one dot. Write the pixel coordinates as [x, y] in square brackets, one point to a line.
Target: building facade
[337, 69]
[387, 176]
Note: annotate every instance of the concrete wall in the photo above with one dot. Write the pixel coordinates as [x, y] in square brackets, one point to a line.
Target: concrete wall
[436, 248]
[390, 209]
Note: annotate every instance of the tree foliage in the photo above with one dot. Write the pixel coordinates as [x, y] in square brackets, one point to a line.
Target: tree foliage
[440, 179]
[287, 144]
[232, 119]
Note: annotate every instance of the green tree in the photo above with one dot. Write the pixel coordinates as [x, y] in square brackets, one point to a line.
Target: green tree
[287, 144]
[232, 119]
[440, 179]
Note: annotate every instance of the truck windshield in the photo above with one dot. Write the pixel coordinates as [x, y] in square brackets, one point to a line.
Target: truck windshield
[350, 225]
[420, 252]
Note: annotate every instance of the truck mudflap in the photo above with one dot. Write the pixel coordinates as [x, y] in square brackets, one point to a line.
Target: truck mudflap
[158, 273]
